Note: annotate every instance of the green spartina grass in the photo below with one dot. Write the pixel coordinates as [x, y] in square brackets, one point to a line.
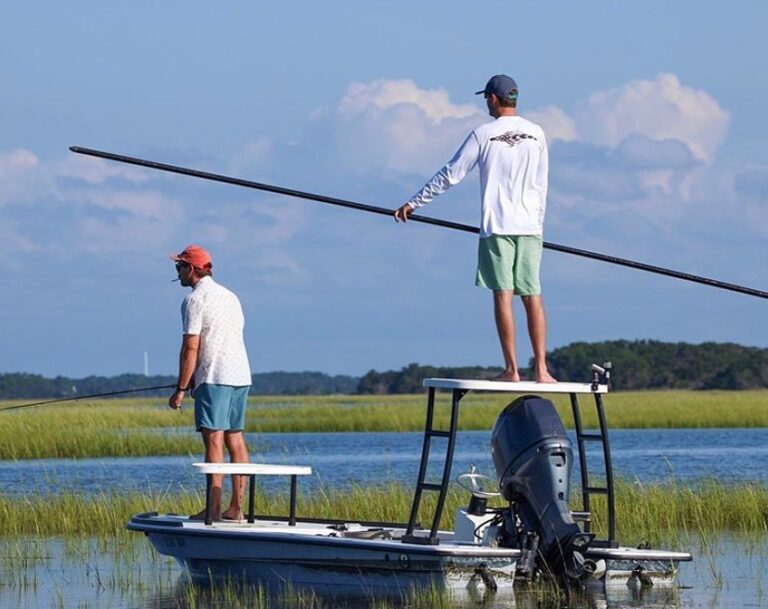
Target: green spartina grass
[143, 427]
[121, 428]
[625, 410]
[651, 513]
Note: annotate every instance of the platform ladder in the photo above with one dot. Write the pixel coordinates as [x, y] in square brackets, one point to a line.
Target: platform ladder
[582, 438]
[422, 484]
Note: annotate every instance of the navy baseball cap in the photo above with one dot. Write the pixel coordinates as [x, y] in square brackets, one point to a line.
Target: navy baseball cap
[502, 86]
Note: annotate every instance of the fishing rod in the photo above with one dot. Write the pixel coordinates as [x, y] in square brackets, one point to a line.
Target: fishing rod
[85, 397]
[215, 177]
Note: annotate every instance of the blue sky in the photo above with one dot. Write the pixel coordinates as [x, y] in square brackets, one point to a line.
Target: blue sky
[654, 113]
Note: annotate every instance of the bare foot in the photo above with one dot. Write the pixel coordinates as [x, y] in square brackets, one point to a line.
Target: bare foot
[201, 516]
[231, 514]
[545, 377]
[508, 376]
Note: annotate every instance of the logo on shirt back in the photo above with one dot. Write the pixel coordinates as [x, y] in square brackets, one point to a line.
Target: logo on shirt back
[512, 138]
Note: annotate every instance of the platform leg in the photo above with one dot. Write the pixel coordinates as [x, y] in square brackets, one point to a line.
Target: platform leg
[583, 466]
[208, 497]
[446, 479]
[292, 516]
[423, 464]
[608, 468]
[251, 496]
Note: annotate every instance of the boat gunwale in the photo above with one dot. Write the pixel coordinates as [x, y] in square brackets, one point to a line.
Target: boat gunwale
[149, 526]
[272, 518]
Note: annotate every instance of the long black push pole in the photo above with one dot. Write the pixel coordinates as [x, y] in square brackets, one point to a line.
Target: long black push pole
[86, 397]
[416, 218]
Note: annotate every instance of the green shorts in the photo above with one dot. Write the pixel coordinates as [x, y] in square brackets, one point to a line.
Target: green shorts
[220, 407]
[510, 262]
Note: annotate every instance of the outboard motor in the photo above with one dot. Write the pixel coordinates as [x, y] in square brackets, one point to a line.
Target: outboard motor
[533, 459]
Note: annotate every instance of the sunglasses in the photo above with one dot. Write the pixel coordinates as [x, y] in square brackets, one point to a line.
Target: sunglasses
[181, 265]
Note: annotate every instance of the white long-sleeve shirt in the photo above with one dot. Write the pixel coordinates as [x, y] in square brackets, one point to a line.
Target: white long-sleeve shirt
[511, 153]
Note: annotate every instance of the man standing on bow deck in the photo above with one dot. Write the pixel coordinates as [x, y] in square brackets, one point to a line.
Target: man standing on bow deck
[213, 359]
[511, 153]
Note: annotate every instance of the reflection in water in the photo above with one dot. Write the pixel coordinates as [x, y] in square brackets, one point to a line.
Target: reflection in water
[127, 574]
[188, 595]
[631, 596]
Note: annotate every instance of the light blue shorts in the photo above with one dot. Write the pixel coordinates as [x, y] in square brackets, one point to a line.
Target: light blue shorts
[220, 407]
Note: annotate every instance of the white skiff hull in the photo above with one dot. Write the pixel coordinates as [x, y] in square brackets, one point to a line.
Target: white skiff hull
[276, 556]
[366, 558]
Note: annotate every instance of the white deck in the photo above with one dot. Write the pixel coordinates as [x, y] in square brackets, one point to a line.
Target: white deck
[253, 469]
[510, 387]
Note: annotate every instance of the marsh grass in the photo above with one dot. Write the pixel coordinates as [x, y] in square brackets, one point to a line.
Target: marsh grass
[144, 427]
[637, 410]
[105, 515]
[654, 513]
[660, 512]
[100, 429]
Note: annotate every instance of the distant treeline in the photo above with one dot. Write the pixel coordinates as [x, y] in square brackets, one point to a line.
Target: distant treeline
[651, 364]
[302, 383]
[30, 386]
[640, 364]
[644, 364]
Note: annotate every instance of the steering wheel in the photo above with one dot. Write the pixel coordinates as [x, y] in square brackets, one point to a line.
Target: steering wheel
[477, 484]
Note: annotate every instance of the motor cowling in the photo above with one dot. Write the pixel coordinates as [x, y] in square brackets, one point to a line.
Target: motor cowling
[533, 459]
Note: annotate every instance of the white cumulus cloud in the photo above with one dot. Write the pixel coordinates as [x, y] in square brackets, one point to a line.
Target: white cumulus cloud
[19, 174]
[659, 109]
[435, 104]
[86, 203]
[397, 126]
[16, 161]
[556, 123]
[144, 203]
[393, 125]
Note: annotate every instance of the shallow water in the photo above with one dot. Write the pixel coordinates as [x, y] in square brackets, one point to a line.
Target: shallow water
[343, 459]
[42, 574]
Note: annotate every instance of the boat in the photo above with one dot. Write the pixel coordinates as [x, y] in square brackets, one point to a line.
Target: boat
[534, 535]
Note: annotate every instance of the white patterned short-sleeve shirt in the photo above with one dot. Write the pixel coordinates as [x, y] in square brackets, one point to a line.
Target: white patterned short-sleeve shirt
[214, 313]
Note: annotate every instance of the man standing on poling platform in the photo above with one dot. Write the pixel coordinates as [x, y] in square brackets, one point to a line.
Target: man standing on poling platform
[511, 153]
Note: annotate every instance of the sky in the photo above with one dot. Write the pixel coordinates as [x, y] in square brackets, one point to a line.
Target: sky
[655, 119]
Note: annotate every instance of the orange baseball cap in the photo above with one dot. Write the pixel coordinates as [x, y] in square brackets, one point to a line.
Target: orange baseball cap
[194, 255]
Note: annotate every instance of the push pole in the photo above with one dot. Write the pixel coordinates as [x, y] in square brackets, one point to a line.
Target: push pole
[640, 266]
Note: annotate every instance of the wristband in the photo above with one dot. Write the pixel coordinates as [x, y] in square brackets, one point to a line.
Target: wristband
[180, 388]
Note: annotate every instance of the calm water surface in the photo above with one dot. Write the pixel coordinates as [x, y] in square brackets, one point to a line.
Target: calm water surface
[343, 459]
[43, 574]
